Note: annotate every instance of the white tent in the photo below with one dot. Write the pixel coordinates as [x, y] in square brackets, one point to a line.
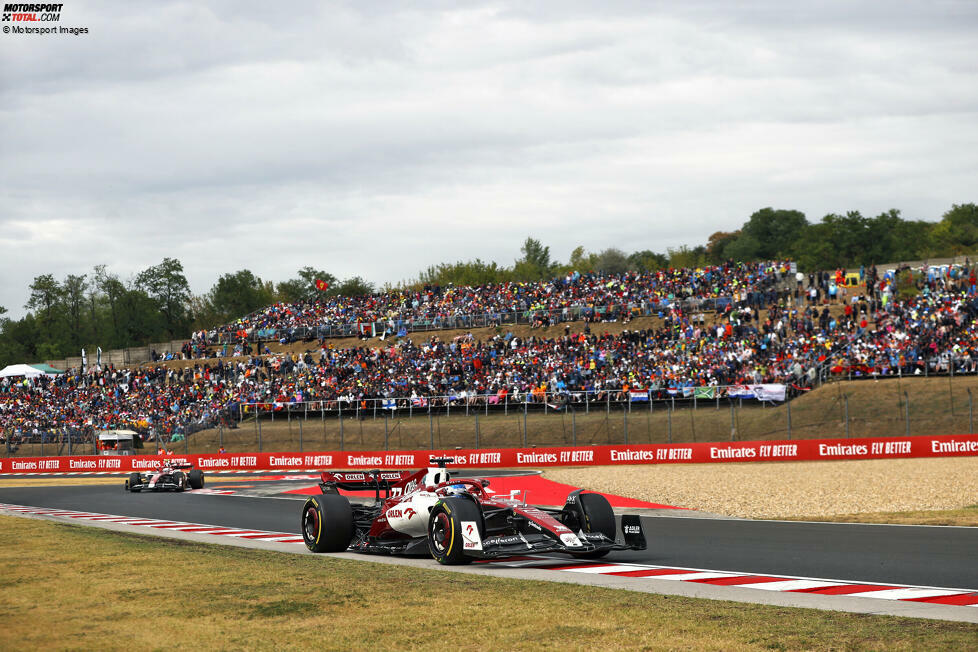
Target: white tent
[20, 370]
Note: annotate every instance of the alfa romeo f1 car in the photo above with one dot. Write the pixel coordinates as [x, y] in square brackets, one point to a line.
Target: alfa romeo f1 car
[456, 520]
[170, 476]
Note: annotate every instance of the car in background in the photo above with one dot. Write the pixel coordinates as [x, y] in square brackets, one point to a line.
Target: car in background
[170, 476]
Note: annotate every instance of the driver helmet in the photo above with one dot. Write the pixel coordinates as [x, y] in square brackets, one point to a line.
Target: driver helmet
[456, 489]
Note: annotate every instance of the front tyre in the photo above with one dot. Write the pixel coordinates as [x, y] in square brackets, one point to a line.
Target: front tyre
[453, 523]
[327, 523]
[196, 478]
[598, 517]
[133, 482]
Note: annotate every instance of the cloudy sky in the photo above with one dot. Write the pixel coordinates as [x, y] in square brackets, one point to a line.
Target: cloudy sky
[376, 138]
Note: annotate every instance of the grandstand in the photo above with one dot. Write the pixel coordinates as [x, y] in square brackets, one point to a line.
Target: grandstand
[688, 335]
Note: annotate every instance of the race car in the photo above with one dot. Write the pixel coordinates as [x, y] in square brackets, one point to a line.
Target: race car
[456, 520]
[170, 476]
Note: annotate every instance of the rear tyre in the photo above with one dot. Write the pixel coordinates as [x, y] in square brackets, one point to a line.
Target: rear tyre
[598, 517]
[196, 478]
[327, 523]
[133, 481]
[446, 533]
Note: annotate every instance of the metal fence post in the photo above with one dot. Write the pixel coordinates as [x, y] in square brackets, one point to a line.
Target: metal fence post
[341, 428]
[300, 434]
[574, 428]
[846, 398]
[669, 412]
[788, 405]
[476, 429]
[258, 421]
[906, 405]
[950, 389]
[971, 414]
[386, 433]
[733, 425]
[431, 430]
[625, 414]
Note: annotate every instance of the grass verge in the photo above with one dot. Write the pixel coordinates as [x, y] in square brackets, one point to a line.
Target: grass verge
[966, 516]
[69, 586]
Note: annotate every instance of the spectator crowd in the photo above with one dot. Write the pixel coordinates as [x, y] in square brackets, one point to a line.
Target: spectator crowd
[767, 331]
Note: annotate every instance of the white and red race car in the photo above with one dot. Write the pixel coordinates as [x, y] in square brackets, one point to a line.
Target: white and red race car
[170, 476]
[456, 520]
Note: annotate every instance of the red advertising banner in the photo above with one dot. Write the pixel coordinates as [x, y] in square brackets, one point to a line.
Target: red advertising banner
[715, 452]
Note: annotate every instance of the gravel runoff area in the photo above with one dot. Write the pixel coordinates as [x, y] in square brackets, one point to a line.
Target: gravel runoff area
[790, 489]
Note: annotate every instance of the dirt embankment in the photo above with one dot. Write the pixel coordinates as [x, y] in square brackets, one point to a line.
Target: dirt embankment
[791, 489]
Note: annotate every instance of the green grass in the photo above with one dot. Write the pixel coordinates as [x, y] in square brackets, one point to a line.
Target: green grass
[66, 586]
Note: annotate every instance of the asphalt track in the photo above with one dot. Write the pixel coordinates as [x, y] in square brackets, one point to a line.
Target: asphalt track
[913, 555]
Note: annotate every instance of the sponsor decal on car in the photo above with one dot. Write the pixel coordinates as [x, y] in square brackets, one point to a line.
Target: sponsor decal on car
[570, 540]
[510, 540]
[470, 536]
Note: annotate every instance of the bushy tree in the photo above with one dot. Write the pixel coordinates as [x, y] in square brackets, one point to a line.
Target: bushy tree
[957, 232]
[647, 261]
[612, 261]
[303, 286]
[167, 286]
[535, 264]
[355, 286]
[770, 233]
[238, 294]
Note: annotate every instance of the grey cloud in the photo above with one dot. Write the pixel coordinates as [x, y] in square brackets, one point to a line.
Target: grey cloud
[375, 141]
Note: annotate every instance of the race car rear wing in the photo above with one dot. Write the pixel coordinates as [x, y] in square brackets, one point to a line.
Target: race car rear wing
[374, 479]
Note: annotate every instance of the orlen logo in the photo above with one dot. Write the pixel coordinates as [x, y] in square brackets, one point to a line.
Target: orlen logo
[470, 529]
[409, 513]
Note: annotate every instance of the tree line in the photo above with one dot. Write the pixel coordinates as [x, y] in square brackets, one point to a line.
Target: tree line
[99, 308]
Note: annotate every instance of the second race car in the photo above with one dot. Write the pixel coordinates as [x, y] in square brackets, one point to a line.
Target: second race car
[170, 476]
[457, 520]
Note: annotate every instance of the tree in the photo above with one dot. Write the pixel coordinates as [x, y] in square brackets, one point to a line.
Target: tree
[647, 261]
[238, 294]
[74, 287]
[687, 257]
[957, 232]
[303, 287]
[167, 286]
[717, 244]
[611, 261]
[581, 261]
[355, 286]
[772, 233]
[535, 265]
[112, 290]
[475, 272]
[45, 295]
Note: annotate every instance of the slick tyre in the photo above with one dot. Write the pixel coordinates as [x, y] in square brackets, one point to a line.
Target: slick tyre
[598, 517]
[196, 478]
[327, 523]
[133, 481]
[447, 525]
